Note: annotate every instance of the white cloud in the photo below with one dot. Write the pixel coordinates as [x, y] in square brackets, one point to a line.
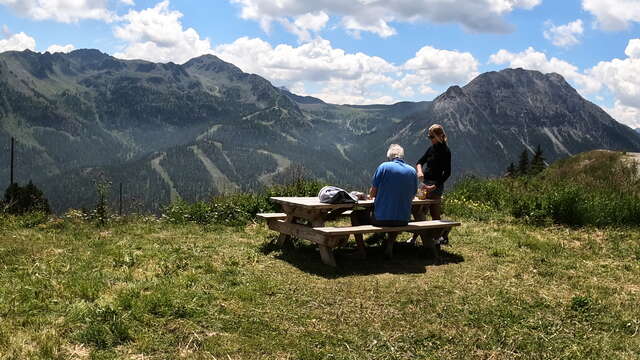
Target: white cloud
[633, 49]
[564, 35]
[156, 34]
[534, 60]
[443, 66]
[343, 77]
[302, 25]
[621, 76]
[128, 2]
[436, 66]
[354, 78]
[311, 21]
[61, 48]
[376, 16]
[613, 15]
[627, 115]
[66, 11]
[17, 42]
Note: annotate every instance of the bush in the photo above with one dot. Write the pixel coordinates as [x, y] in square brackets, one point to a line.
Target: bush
[236, 209]
[24, 199]
[540, 200]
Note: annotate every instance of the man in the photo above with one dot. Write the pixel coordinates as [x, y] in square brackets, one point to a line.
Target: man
[393, 186]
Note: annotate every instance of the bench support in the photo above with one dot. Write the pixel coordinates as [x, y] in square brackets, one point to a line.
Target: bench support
[326, 254]
[429, 241]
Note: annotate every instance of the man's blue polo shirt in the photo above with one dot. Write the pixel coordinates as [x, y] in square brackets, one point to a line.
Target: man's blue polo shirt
[396, 183]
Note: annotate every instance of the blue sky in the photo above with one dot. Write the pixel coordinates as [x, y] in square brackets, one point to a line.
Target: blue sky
[359, 51]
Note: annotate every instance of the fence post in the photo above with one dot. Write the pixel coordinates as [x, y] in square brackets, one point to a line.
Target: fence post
[120, 201]
[12, 150]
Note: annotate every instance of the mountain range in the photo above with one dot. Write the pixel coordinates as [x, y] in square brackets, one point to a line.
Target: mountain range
[169, 131]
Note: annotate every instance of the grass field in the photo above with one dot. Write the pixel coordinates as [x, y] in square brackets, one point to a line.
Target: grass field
[144, 289]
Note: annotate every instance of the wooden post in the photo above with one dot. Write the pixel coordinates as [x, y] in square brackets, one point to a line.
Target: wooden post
[120, 201]
[12, 150]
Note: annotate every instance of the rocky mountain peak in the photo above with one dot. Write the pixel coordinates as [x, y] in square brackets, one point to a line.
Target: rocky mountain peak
[452, 92]
[211, 63]
[89, 54]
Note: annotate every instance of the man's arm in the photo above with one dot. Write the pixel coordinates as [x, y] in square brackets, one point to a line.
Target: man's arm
[373, 192]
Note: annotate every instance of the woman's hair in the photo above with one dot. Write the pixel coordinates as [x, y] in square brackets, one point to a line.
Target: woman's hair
[437, 131]
[395, 151]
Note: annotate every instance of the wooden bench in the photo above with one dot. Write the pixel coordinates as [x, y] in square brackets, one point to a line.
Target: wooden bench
[329, 238]
[429, 231]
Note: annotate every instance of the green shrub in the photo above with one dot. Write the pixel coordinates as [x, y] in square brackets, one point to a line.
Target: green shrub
[24, 199]
[299, 187]
[236, 209]
[575, 201]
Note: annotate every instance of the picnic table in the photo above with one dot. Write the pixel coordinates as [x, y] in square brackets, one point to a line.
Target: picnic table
[305, 218]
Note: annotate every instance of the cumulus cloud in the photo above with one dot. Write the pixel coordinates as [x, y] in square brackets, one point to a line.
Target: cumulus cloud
[627, 115]
[353, 78]
[436, 66]
[61, 48]
[303, 25]
[376, 16]
[66, 11]
[621, 75]
[17, 42]
[633, 49]
[564, 35]
[343, 77]
[535, 60]
[613, 15]
[156, 34]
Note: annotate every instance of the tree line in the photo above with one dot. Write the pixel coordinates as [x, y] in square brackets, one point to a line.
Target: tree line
[527, 167]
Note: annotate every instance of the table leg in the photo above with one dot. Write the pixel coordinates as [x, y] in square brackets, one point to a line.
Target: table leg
[429, 242]
[419, 213]
[284, 238]
[326, 254]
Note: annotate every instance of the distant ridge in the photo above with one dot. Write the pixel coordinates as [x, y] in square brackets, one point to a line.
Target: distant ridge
[206, 127]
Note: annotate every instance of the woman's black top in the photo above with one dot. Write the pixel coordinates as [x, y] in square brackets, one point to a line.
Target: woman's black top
[437, 159]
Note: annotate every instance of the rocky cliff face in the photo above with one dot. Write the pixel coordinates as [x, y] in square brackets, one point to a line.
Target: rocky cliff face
[205, 127]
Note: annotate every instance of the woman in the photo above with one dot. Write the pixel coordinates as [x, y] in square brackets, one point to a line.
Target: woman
[433, 169]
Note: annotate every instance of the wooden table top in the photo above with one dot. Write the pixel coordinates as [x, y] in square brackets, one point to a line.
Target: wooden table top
[313, 202]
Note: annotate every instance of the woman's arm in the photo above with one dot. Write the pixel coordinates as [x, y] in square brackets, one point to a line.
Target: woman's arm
[446, 167]
[421, 162]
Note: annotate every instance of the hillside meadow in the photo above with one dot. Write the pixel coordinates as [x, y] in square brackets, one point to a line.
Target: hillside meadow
[513, 284]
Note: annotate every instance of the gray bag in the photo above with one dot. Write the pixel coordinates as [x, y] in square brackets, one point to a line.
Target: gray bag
[336, 195]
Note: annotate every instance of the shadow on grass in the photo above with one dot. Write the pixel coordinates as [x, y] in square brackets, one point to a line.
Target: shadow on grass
[407, 259]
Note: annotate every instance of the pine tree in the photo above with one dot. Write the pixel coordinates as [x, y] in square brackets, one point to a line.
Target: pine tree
[20, 200]
[523, 163]
[537, 163]
[511, 170]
